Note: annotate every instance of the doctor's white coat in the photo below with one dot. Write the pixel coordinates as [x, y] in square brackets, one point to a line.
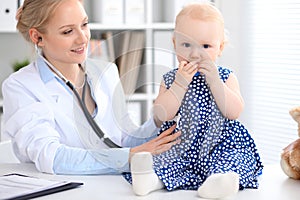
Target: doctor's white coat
[41, 113]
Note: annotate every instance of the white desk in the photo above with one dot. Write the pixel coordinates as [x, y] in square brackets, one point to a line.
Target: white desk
[274, 185]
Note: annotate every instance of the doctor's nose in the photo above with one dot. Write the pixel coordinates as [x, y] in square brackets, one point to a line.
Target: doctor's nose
[82, 37]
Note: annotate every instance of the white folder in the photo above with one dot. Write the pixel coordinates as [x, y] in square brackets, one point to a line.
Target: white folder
[8, 10]
[108, 11]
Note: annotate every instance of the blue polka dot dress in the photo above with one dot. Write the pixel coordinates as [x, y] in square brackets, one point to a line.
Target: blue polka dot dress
[210, 143]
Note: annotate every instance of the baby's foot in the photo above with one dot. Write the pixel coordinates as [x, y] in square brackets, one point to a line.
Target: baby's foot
[219, 186]
[144, 179]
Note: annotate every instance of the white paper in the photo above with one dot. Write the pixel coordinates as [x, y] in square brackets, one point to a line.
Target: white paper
[15, 185]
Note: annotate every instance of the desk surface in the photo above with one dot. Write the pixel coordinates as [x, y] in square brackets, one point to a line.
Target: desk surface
[274, 185]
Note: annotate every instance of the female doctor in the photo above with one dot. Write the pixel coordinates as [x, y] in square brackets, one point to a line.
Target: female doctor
[42, 110]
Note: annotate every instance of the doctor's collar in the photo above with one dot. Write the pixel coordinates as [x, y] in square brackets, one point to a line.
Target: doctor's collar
[45, 72]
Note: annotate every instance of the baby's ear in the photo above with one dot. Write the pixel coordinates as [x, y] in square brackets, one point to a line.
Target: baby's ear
[173, 40]
[221, 48]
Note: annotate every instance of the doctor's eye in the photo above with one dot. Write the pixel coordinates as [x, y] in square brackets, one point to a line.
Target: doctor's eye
[85, 24]
[67, 32]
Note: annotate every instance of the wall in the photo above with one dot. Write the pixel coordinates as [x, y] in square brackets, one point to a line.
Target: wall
[231, 55]
[235, 55]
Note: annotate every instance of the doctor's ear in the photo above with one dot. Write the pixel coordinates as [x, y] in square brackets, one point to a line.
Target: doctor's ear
[35, 36]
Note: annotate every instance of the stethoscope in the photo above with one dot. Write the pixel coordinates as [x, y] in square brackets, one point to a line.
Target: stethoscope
[81, 102]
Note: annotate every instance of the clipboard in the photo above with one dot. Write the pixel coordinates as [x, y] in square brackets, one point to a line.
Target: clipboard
[22, 187]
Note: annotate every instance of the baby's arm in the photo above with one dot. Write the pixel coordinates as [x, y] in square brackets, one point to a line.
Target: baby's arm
[228, 97]
[169, 100]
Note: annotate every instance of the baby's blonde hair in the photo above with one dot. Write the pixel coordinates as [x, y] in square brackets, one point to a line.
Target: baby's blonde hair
[202, 11]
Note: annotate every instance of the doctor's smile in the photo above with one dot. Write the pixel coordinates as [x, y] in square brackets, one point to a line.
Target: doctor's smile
[79, 50]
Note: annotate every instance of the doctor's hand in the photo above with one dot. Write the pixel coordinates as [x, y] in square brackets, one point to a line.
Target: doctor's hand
[160, 144]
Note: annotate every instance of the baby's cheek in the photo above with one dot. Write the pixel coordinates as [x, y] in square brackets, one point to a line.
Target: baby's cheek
[212, 54]
[182, 58]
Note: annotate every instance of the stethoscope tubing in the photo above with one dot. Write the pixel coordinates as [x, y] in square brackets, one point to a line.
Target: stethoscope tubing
[83, 107]
[88, 116]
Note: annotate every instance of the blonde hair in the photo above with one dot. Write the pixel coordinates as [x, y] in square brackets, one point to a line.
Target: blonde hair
[202, 11]
[35, 14]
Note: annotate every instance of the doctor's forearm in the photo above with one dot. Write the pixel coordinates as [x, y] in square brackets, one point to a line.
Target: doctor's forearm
[79, 161]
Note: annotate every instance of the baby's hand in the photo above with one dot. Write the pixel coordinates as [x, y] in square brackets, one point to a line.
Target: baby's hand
[208, 68]
[185, 72]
